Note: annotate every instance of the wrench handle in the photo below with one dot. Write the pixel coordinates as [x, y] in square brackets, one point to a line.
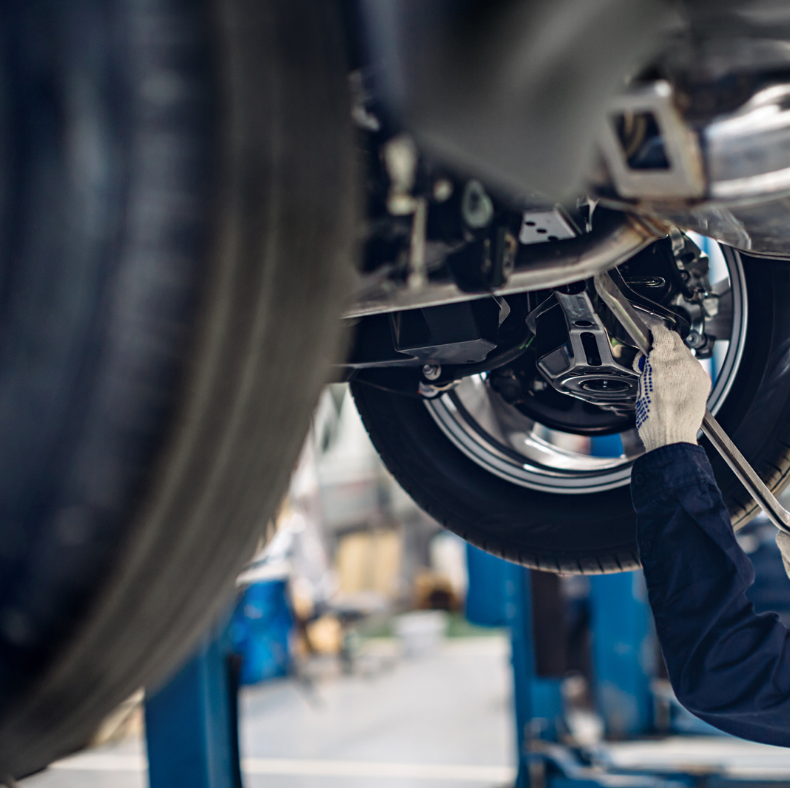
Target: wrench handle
[747, 476]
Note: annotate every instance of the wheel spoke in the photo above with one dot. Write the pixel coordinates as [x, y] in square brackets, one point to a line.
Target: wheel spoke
[720, 325]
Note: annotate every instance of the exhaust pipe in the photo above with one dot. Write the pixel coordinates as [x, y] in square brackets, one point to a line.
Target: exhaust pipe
[615, 238]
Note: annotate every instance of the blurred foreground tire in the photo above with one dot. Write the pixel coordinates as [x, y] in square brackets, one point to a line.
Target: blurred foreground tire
[176, 214]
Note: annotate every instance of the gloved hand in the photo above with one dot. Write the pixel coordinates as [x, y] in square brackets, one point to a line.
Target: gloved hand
[783, 542]
[673, 392]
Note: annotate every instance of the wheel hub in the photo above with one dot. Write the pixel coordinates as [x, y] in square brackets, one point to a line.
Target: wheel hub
[604, 388]
[590, 365]
[523, 428]
[587, 356]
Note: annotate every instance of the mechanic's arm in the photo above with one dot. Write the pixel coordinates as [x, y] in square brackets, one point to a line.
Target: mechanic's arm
[728, 665]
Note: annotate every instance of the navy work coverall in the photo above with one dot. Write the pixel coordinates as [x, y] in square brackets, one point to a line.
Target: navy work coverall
[728, 665]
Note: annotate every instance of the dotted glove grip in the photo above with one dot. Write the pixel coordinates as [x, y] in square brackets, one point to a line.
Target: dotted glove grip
[673, 392]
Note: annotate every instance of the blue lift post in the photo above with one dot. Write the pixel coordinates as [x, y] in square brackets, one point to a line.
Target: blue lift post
[623, 657]
[624, 653]
[191, 723]
[538, 701]
[624, 646]
[500, 595]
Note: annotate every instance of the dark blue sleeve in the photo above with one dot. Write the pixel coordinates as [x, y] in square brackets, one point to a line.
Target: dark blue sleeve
[728, 665]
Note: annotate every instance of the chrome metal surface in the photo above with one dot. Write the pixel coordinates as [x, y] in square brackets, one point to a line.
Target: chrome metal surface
[726, 158]
[639, 332]
[748, 477]
[508, 444]
[504, 441]
[746, 150]
[621, 308]
[739, 154]
[604, 379]
[761, 228]
[548, 265]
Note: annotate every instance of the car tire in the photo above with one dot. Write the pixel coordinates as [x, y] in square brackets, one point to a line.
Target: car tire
[591, 533]
[177, 210]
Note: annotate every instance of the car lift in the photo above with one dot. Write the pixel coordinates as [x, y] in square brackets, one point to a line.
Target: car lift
[191, 723]
[501, 593]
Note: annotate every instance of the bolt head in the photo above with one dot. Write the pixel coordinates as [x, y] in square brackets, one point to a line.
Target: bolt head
[431, 371]
[711, 306]
[442, 190]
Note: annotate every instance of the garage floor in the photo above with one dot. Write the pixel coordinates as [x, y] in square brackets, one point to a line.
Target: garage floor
[438, 720]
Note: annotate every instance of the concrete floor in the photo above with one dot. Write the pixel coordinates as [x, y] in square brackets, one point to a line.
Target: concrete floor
[443, 719]
[440, 719]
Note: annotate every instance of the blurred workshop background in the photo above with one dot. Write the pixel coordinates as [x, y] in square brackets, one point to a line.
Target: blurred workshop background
[369, 646]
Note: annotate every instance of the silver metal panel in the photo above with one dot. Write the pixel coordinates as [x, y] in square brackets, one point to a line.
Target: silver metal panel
[539, 227]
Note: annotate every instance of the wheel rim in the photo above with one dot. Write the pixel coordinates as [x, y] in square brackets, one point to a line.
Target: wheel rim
[505, 442]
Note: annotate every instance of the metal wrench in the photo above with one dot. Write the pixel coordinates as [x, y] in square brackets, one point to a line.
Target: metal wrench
[636, 328]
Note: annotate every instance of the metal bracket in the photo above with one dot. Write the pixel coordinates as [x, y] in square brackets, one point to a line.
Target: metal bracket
[683, 174]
